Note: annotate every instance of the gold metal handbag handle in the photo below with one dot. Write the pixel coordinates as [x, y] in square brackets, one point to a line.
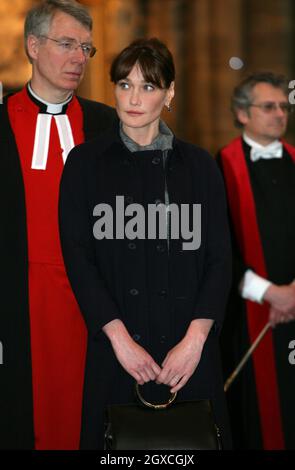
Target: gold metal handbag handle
[160, 406]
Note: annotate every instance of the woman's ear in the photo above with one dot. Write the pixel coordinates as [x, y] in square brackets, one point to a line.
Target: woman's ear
[171, 91]
[170, 95]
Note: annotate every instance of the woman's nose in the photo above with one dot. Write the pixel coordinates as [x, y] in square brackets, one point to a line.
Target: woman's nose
[135, 97]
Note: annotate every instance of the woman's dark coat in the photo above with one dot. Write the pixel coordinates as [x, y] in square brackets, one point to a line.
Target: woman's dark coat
[156, 294]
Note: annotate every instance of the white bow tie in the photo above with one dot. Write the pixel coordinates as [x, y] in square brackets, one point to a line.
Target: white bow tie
[274, 150]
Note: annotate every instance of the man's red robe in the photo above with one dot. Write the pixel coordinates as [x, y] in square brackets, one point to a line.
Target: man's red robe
[41, 328]
[242, 207]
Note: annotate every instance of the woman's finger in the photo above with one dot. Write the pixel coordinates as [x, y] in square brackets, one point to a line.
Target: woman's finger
[174, 380]
[180, 384]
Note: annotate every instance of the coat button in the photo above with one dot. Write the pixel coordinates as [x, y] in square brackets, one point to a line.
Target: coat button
[161, 248]
[156, 160]
[162, 293]
[133, 292]
[162, 339]
[129, 199]
[131, 246]
[136, 337]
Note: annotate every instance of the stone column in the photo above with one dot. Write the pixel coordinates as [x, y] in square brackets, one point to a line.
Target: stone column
[116, 23]
[268, 35]
[164, 20]
[15, 69]
[214, 31]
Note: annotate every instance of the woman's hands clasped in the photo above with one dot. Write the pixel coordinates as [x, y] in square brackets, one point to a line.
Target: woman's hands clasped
[179, 364]
[182, 360]
[132, 357]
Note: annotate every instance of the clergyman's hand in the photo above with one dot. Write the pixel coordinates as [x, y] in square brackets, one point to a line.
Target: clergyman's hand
[281, 299]
[277, 316]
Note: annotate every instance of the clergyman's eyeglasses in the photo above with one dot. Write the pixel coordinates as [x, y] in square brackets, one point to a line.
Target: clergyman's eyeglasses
[270, 106]
[70, 45]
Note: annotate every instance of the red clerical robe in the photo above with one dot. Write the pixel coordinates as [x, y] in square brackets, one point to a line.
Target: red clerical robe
[243, 212]
[58, 334]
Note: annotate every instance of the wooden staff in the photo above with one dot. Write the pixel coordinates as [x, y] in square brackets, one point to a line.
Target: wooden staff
[246, 357]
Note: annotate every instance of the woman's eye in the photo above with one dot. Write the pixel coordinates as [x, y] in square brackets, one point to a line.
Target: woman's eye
[149, 87]
[123, 85]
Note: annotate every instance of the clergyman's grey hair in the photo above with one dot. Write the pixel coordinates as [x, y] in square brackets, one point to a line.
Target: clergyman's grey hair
[38, 19]
[242, 96]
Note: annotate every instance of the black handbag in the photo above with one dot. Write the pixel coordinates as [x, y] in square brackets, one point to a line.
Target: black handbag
[187, 425]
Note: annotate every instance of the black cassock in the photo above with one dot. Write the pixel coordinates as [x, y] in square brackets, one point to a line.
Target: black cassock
[273, 186]
[16, 401]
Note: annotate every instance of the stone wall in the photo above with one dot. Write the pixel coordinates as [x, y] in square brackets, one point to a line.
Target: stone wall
[203, 36]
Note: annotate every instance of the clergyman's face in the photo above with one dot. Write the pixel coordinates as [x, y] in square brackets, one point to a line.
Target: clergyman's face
[54, 67]
[265, 127]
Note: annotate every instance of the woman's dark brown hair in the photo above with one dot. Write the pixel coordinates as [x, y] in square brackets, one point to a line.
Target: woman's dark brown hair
[153, 57]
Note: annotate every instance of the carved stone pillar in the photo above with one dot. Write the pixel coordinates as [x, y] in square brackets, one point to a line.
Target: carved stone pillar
[203, 35]
[115, 24]
[213, 37]
[268, 35]
[164, 20]
[15, 69]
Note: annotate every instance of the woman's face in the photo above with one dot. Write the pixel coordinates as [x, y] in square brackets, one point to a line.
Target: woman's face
[139, 104]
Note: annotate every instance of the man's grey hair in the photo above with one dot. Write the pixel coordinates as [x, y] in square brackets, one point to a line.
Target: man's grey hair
[242, 96]
[39, 18]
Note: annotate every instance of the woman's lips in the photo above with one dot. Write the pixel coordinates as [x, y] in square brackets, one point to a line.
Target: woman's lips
[134, 113]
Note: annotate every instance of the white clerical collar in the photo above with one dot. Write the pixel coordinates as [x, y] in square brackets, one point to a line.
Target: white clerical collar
[52, 108]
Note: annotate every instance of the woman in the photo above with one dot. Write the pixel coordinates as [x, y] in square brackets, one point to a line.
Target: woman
[152, 304]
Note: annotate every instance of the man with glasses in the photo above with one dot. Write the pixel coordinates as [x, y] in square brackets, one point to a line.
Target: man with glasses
[41, 328]
[259, 172]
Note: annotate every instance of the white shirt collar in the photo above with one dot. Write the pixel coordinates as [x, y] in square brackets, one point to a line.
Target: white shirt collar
[267, 152]
[256, 145]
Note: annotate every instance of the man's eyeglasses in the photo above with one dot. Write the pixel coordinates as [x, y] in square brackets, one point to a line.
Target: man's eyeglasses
[269, 107]
[70, 45]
